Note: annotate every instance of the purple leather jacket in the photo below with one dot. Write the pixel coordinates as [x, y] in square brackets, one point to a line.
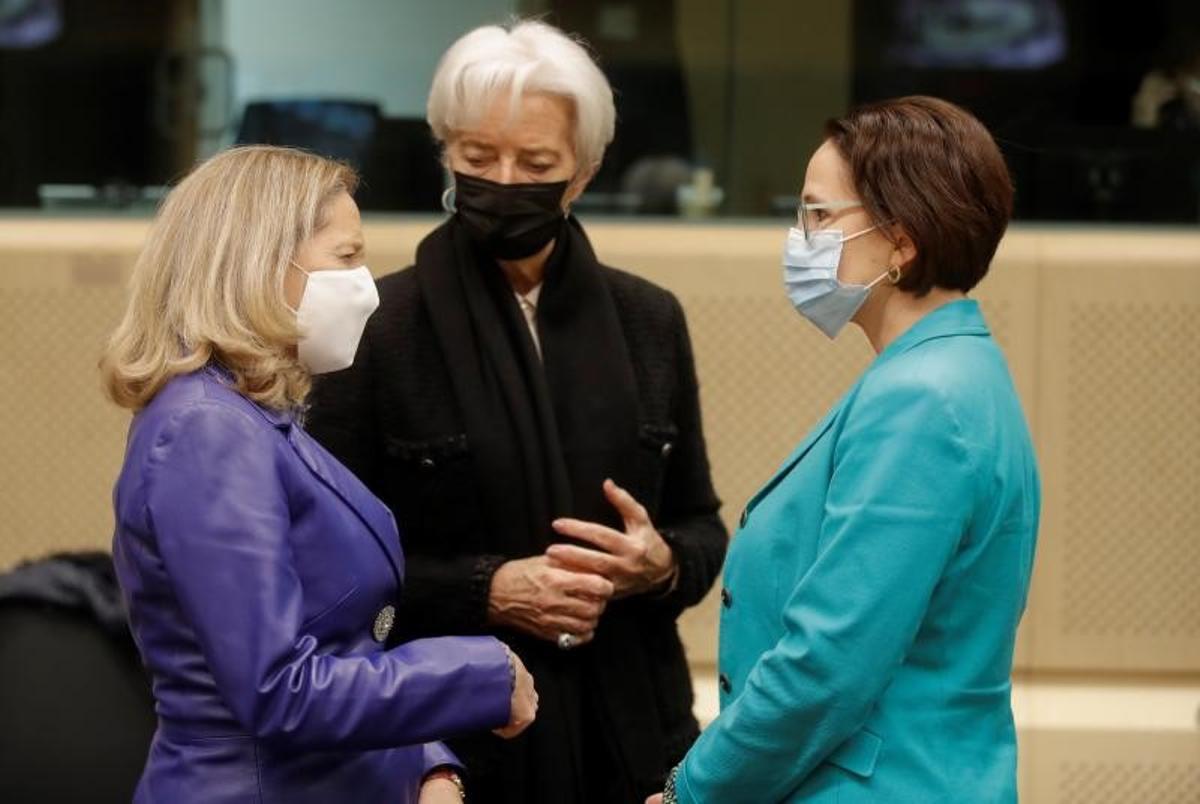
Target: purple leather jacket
[260, 575]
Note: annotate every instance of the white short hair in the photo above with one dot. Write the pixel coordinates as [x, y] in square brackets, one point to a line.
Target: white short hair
[526, 57]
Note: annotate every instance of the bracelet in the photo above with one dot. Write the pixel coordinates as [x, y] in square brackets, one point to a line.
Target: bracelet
[670, 796]
[450, 775]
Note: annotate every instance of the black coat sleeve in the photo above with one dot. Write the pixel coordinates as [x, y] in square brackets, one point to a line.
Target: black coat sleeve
[689, 502]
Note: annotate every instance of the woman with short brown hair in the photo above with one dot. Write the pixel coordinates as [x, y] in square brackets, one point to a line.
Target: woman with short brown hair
[873, 592]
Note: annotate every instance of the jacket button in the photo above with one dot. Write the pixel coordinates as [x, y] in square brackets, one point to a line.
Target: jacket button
[726, 687]
[384, 621]
[666, 449]
[726, 598]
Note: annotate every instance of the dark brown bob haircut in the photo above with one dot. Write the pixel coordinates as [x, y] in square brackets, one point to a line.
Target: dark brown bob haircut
[932, 169]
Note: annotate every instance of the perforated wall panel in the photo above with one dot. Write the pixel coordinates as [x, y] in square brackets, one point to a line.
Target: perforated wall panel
[62, 443]
[1108, 369]
[1119, 369]
[1110, 767]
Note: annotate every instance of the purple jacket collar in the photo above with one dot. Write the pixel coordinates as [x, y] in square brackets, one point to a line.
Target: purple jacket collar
[349, 489]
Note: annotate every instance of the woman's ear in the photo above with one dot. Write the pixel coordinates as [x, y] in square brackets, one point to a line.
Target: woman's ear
[904, 250]
[578, 185]
[444, 156]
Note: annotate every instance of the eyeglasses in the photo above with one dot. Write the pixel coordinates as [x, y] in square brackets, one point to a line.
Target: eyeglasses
[806, 214]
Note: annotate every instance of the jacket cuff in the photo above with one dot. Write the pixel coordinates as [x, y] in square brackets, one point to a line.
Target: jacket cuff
[688, 555]
[480, 588]
[437, 755]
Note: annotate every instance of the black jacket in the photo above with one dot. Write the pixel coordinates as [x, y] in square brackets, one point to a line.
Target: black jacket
[393, 420]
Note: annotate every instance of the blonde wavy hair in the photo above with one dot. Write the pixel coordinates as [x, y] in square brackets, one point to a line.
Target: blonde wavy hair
[209, 284]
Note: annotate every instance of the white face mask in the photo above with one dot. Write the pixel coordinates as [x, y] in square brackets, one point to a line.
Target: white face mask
[332, 315]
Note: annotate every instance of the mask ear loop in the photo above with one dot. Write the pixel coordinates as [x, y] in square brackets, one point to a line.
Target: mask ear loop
[307, 274]
[448, 201]
[892, 275]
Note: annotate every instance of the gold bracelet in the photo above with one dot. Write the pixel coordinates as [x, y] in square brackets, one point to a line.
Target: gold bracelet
[450, 776]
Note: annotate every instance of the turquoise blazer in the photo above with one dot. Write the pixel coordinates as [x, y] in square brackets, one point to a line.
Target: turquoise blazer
[873, 591]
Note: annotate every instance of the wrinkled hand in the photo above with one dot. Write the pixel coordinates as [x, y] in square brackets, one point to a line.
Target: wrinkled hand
[439, 791]
[636, 561]
[537, 597]
[524, 701]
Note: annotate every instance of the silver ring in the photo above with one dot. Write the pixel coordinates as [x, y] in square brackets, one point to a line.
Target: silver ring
[567, 641]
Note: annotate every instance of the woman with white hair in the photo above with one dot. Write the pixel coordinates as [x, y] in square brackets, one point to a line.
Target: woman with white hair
[261, 577]
[533, 417]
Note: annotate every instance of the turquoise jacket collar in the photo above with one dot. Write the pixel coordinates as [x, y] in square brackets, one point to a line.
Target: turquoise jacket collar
[961, 317]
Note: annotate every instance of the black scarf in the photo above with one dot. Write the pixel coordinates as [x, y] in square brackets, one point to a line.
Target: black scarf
[544, 434]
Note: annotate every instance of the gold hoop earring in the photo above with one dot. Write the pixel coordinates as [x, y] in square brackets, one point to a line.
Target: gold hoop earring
[894, 274]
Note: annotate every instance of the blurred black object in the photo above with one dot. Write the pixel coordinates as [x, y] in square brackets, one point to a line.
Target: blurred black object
[396, 157]
[338, 129]
[1088, 173]
[636, 44]
[78, 109]
[78, 714]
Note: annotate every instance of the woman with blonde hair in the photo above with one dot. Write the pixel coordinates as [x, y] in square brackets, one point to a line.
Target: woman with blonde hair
[261, 577]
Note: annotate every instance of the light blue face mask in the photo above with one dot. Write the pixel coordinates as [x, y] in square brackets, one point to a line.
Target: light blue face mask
[810, 275]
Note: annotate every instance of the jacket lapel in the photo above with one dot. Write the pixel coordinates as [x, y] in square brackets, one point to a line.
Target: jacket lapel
[797, 455]
[373, 513]
[961, 317]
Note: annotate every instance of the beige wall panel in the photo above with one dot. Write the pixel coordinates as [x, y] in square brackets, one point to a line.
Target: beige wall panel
[1009, 297]
[62, 443]
[1119, 426]
[1101, 331]
[1114, 767]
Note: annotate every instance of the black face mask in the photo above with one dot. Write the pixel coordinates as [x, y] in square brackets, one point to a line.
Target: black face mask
[510, 221]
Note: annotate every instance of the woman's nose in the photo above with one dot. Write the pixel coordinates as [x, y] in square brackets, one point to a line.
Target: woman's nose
[506, 172]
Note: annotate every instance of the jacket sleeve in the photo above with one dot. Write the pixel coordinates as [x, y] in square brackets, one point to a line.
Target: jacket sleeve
[450, 593]
[900, 499]
[689, 502]
[437, 755]
[219, 515]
